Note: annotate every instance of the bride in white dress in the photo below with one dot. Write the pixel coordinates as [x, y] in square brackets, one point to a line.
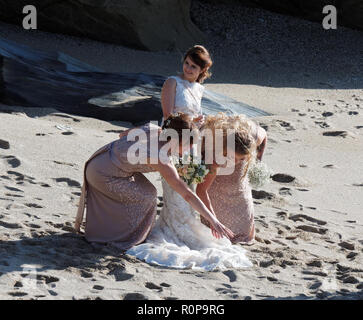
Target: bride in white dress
[179, 239]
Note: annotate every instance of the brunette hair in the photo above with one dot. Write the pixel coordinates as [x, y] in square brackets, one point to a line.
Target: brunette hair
[202, 58]
[179, 122]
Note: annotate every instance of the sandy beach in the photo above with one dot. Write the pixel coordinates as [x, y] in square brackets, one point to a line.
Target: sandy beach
[309, 222]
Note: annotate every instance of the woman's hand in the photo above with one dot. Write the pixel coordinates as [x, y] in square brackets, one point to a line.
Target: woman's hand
[219, 230]
[199, 121]
[215, 233]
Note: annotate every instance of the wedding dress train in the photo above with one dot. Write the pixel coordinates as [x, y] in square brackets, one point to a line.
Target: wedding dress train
[180, 240]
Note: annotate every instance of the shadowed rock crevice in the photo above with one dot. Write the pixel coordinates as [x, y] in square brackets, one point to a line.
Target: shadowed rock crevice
[140, 24]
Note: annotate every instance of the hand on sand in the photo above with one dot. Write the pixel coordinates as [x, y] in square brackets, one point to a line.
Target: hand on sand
[219, 230]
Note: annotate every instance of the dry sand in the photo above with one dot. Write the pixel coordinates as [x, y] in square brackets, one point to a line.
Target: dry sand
[309, 231]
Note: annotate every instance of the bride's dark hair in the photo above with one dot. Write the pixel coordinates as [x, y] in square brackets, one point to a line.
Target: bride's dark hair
[179, 122]
[202, 58]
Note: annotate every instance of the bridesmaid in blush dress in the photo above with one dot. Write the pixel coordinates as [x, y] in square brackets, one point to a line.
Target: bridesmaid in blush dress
[229, 197]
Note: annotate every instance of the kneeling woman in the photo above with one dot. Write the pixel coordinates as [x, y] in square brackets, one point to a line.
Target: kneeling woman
[229, 196]
[121, 201]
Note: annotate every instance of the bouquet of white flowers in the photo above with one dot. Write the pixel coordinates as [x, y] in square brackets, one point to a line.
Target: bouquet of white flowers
[259, 174]
[191, 169]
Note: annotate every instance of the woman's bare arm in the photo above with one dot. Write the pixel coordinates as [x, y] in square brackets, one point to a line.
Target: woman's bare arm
[168, 97]
[202, 190]
[261, 142]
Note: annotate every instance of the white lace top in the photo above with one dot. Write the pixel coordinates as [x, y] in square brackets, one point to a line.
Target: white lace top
[188, 97]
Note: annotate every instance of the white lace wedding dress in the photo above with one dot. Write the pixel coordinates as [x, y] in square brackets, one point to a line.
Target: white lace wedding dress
[180, 240]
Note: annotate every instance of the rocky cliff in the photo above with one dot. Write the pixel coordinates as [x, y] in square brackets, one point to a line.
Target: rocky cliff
[350, 12]
[142, 24]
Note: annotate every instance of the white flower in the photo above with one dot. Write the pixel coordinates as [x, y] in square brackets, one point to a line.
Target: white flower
[259, 174]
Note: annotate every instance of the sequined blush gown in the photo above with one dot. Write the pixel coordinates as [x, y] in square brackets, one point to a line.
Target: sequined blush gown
[231, 198]
[121, 201]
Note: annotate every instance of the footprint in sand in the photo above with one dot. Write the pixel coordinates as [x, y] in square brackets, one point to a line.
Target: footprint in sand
[86, 274]
[134, 296]
[52, 293]
[347, 245]
[315, 285]
[353, 113]
[64, 163]
[302, 217]
[14, 195]
[330, 166]
[357, 184]
[4, 144]
[21, 178]
[13, 161]
[342, 134]
[165, 285]
[17, 294]
[10, 225]
[267, 263]
[315, 263]
[285, 192]
[98, 287]
[283, 178]
[69, 182]
[153, 286]
[231, 275]
[312, 229]
[67, 226]
[228, 290]
[322, 124]
[351, 255]
[44, 278]
[286, 125]
[33, 205]
[260, 194]
[327, 114]
[33, 225]
[13, 189]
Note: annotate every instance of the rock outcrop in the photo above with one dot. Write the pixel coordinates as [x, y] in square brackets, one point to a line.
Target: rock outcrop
[143, 24]
[349, 12]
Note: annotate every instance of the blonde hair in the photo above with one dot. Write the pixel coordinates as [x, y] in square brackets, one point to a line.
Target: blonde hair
[244, 141]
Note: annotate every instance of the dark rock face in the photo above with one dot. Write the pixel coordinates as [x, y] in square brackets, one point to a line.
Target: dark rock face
[33, 78]
[349, 12]
[1, 78]
[143, 24]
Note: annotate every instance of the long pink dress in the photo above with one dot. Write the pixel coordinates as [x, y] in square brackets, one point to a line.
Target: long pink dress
[231, 198]
[121, 201]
